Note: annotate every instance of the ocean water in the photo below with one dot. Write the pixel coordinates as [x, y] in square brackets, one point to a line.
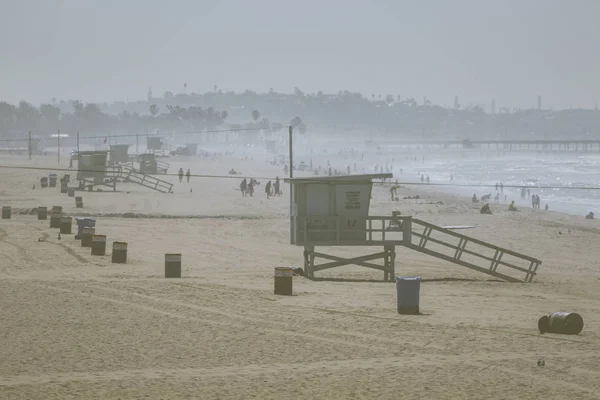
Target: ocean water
[567, 182]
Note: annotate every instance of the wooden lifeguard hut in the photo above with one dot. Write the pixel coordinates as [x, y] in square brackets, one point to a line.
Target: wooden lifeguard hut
[92, 169]
[119, 154]
[334, 211]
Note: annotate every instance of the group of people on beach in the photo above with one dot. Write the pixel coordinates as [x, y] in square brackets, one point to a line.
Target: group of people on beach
[247, 188]
[188, 174]
[271, 189]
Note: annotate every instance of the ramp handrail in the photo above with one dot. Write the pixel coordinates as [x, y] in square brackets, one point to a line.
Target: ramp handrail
[460, 249]
[146, 180]
[161, 165]
[471, 239]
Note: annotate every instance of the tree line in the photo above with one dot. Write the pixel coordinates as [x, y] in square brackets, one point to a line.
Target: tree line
[272, 111]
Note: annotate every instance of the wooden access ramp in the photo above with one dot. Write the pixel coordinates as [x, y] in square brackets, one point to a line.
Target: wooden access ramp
[414, 234]
[468, 252]
[128, 174]
[162, 167]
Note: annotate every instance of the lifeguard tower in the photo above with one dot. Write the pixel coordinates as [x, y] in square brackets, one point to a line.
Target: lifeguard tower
[334, 211]
[92, 169]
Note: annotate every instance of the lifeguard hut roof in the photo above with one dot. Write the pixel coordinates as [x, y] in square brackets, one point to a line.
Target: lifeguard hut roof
[338, 179]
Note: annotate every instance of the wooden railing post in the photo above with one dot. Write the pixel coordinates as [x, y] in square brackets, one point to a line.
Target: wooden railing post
[305, 230]
[407, 231]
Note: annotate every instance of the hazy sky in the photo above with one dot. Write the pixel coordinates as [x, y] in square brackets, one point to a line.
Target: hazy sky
[104, 50]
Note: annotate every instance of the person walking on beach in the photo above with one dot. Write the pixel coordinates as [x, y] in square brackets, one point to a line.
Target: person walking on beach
[268, 189]
[244, 187]
[187, 175]
[277, 190]
[251, 187]
[180, 175]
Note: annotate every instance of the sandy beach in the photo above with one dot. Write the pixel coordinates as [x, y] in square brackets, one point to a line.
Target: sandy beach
[77, 326]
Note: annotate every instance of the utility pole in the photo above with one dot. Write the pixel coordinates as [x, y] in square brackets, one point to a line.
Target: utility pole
[58, 139]
[29, 147]
[77, 142]
[137, 143]
[292, 238]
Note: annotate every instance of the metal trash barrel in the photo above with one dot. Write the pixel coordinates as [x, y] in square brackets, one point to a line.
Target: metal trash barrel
[79, 202]
[284, 277]
[561, 322]
[98, 245]
[52, 180]
[64, 186]
[86, 236]
[6, 212]
[71, 192]
[407, 292]
[172, 265]
[55, 220]
[44, 182]
[42, 213]
[82, 222]
[119, 253]
[65, 225]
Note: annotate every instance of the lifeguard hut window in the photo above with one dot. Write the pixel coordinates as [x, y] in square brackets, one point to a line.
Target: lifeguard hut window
[331, 209]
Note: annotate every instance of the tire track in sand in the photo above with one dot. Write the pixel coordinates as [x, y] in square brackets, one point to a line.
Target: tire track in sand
[20, 249]
[66, 248]
[251, 370]
[480, 360]
[225, 323]
[260, 320]
[21, 252]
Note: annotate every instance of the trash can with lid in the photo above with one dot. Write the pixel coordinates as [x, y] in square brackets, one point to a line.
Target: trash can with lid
[407, 291]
